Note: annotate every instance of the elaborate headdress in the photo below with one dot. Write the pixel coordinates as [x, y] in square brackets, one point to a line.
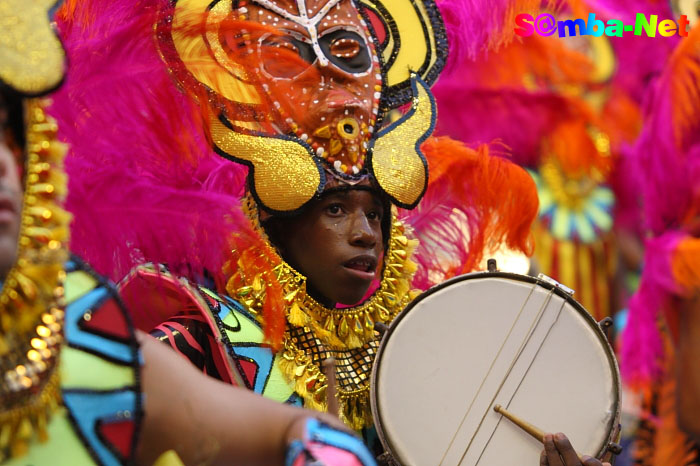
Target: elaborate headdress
[155, 172]
[302, 106]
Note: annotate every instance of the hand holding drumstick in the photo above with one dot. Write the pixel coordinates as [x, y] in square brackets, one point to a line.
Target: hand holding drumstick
[558, 451]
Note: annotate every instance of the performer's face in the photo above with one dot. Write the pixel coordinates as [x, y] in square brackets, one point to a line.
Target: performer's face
[10, 199]
[325, 75]
[336, 243]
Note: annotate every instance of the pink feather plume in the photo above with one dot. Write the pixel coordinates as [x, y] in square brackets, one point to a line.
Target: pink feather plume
[144, 184]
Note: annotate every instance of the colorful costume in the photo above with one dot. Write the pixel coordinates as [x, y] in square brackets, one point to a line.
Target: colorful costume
[70, 389]
[303, 110]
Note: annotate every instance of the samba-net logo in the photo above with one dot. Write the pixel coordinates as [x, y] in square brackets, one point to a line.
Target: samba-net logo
[546, 25]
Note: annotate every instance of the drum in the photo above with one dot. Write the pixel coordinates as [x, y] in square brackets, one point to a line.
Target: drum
[489, 339]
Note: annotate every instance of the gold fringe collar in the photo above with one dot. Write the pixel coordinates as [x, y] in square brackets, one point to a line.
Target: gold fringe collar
[31, 314]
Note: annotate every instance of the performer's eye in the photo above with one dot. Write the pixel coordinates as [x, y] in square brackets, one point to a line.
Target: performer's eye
[334, 209]
[374, 215]
[347, 50]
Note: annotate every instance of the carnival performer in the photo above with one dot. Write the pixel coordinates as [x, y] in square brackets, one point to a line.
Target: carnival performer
[79, 384]
[300, 261]
[660, 344]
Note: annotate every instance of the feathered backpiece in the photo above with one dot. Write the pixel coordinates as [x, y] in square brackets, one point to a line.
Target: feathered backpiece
[475, 202]
[517, 94]
[533, 97]
[561, 107]
[668, 157]
[475, 27]
[144, 184]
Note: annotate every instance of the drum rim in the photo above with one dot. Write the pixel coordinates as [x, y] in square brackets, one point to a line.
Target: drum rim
[376, 414]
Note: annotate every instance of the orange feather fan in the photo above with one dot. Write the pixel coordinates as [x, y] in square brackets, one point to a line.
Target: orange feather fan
[475, 202]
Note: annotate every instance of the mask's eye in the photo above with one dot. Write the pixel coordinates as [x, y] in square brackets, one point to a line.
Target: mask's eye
[285, 56]
[347, 50]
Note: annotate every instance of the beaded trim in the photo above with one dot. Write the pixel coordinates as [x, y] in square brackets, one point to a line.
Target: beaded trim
[31, 315]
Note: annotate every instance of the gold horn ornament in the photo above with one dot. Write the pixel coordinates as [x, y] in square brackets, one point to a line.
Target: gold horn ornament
[395, 157]
[284, 173]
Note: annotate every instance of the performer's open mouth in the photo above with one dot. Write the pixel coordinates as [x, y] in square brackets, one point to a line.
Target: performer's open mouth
[363, 266]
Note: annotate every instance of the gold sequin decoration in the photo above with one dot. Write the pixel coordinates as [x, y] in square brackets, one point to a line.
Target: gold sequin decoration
[31, 303]
[396, 162]
[32, 59]
[315, 332]
[285, 176]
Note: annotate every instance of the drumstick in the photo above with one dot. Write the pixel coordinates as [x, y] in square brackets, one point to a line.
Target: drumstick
[526, 426]
[331, 399]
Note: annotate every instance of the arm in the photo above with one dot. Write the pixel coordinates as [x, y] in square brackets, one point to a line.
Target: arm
[207, 421]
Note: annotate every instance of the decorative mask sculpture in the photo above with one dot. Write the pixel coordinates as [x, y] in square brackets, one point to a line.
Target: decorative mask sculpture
[307, 85]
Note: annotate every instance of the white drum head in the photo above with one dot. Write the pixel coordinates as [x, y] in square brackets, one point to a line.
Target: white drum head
[486, 339]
